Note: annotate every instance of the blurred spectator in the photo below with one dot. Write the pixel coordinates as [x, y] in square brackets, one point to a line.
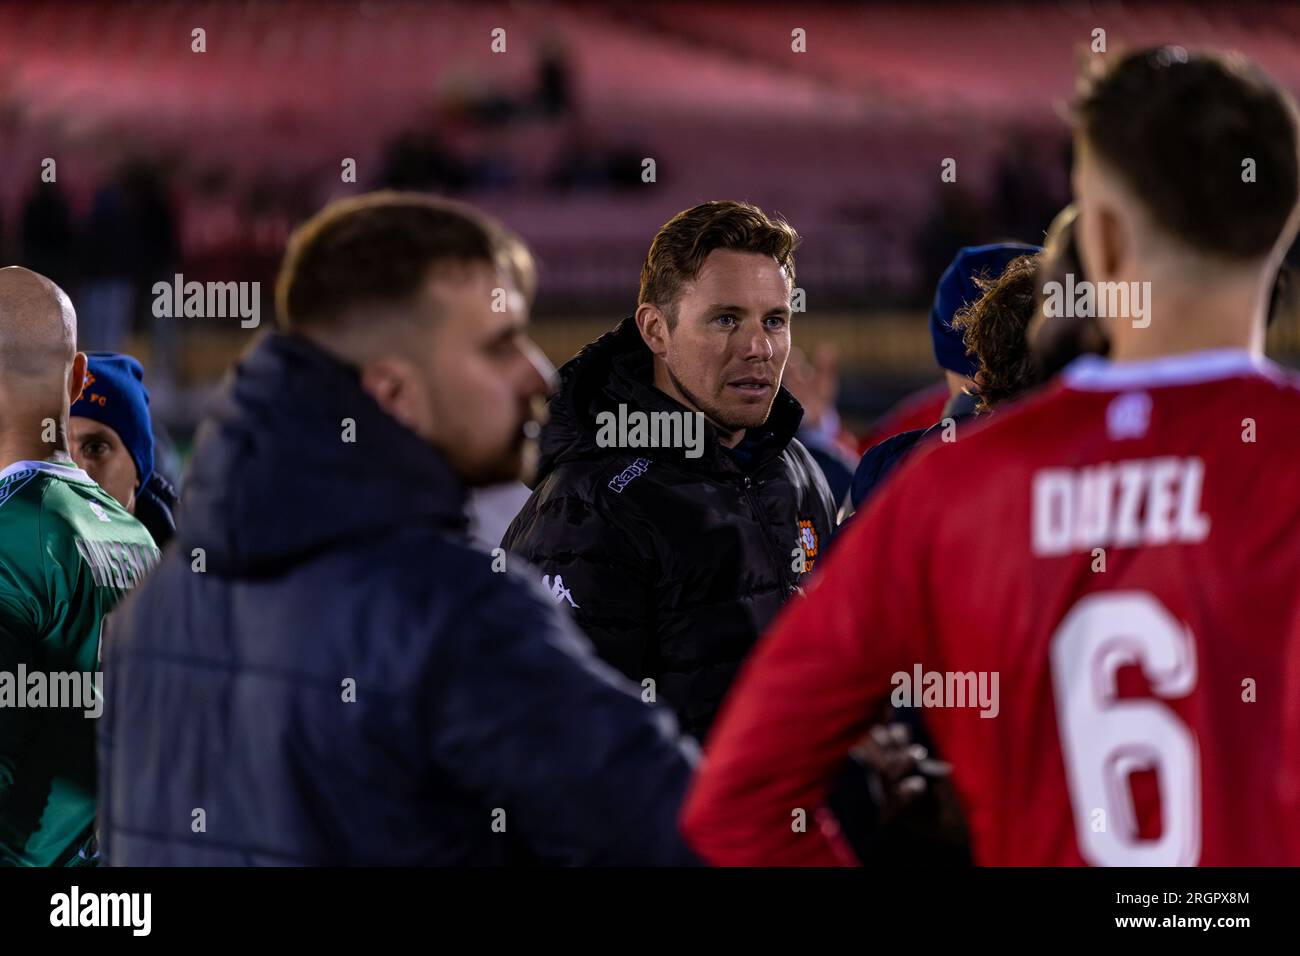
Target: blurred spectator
[153, 245]
[955, 222]
[108, 298]
[587, 162]
[624, 162]
[814, 385]
[417, 159]
[579, 165]
[47, 236]
[493, 167]
[131, 242]
[155, 256]
[1023, 205]
[554, 81]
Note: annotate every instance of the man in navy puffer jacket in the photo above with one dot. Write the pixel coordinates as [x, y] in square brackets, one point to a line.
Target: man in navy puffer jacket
[322, 670]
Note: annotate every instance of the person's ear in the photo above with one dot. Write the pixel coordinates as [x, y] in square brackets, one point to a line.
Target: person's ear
[652, 323]
[77, 378]
[391, 383]
[1113, 241]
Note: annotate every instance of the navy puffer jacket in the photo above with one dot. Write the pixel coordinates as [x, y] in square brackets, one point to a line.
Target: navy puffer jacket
[322, 671]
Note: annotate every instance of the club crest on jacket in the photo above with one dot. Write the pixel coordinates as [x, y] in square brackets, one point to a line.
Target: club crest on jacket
[809, 541]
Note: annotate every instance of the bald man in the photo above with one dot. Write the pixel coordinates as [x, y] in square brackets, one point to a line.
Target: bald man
[68, 552]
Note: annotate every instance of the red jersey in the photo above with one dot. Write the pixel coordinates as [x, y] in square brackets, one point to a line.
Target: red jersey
[1095, 600]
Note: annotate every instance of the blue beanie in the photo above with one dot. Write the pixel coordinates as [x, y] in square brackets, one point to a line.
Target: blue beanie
[115, 396]
[957, 290]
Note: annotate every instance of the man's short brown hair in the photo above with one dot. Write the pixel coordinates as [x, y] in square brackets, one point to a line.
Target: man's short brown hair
[993, 331]
[1179, 128]
[378, 250]
[683, 243]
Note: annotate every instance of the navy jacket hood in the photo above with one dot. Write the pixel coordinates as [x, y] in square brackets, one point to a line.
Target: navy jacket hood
[268, 421]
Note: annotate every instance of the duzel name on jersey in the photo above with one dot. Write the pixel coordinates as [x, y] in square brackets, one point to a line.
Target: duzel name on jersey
[1132, 503]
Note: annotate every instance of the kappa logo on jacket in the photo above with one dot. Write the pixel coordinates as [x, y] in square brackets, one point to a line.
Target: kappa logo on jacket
[557, 589]
[628, 475]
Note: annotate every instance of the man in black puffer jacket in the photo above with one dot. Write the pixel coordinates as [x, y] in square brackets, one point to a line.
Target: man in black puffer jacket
[322, 671]
[674, 559]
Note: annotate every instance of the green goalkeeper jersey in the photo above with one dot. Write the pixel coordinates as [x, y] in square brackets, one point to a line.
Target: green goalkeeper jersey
[68, 552]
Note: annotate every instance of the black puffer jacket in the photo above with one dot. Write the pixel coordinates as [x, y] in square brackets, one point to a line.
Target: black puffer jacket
[155, 508]
[673, 566]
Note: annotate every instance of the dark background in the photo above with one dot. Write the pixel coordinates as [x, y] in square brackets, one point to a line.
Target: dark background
[169, 160]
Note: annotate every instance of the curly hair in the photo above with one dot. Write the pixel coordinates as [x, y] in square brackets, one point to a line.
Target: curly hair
[993, 330]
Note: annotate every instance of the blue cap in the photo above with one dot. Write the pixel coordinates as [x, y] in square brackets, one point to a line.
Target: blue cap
[957, 290]
[114, 395]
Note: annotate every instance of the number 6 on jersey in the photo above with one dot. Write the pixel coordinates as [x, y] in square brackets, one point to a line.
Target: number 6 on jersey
[1104, 739]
